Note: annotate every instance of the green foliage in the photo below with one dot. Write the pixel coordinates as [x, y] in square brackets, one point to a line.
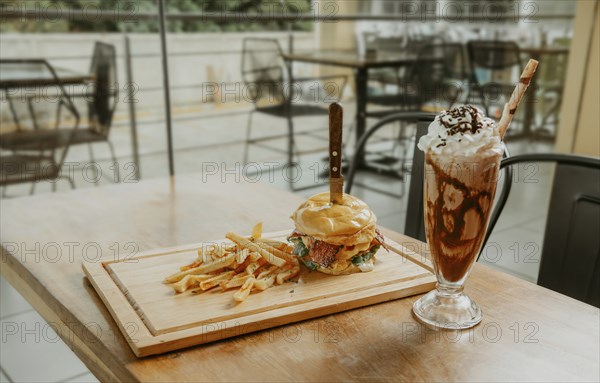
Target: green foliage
[120, 9]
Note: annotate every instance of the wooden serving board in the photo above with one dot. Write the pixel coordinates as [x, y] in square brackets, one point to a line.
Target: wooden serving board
[154, 319]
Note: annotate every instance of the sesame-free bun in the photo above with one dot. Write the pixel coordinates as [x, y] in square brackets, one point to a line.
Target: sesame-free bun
[348, 223]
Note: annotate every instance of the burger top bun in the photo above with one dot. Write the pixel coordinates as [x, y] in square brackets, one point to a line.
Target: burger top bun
[349, 223]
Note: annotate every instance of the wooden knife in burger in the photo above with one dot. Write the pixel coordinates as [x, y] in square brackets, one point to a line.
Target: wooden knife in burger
[336, 180]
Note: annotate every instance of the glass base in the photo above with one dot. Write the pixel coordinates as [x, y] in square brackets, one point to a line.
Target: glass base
[447, 309]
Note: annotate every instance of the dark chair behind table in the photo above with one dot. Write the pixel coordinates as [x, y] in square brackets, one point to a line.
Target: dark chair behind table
[495, 67]
[35, 148]
[571, 251]
[437, 77]
[100, 98]
[272, 85]
[570, 262]
[422, 121]
[437, 66]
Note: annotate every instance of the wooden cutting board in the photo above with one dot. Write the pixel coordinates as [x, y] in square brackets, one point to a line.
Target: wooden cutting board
[155, 320]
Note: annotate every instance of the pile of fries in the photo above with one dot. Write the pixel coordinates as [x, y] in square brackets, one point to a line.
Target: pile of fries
[249, 264]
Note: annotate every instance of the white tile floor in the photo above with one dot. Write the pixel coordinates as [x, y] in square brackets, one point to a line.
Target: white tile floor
[27, 340]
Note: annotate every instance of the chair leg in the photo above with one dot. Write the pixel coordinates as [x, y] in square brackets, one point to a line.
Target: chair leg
[54, 186]
[4, 191]
[291, 143]
[114, 160]
[91, 151]
[248, 131]
[349, 135]
[32, 190]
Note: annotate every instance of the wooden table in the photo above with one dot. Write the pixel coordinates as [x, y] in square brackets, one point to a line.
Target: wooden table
[30, 74]
[361, 65]
[528, 333]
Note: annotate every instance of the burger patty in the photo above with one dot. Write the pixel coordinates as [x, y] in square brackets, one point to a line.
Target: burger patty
[319, 252]
[323, 253]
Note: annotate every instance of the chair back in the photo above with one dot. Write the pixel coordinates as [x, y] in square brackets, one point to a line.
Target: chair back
[570, 262]
[415, 43]
[262, 71]
[415, 220]
[495, 68]
[414, 216]
[439, 70]
[102, 104]
[45, 126]
[494, 55]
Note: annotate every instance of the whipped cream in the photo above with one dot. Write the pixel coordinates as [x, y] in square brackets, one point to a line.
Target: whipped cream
[463, 130]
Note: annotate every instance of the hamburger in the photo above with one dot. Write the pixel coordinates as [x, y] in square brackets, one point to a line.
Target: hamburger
[340, 238]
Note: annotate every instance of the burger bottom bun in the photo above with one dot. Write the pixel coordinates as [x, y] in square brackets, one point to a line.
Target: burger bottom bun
[339, 268]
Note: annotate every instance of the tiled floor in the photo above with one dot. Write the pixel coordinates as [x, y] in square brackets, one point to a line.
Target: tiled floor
[27, 340]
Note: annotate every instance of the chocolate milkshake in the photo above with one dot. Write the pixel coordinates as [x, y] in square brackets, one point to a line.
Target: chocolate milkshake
[463, 150]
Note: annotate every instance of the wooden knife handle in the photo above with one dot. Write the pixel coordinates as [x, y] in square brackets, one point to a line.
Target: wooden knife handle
[336, 181]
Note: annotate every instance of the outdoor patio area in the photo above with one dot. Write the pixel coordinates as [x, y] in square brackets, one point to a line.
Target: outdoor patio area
[110, 128]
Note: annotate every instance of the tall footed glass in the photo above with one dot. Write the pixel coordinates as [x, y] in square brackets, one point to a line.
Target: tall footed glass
[458, 197]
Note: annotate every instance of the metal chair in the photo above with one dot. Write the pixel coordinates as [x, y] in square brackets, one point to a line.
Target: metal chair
[414, 224]
[499, 60]
[101, 99]
[570, 262]
[551, 87]
[37, 151]
[573, 216]
[437, 75]
[264, 74]
[421, 118]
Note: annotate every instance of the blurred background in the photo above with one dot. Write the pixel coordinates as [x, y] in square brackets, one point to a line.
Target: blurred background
[97, 93]
[93, 95]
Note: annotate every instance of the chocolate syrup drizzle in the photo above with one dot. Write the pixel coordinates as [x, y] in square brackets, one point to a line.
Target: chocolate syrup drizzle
[461, 127]
[452, 254]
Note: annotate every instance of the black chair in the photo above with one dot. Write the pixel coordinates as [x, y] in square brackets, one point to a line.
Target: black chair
[437, 76]
[36, 151]
[500, 60]
[101, 100]
[573, 216]
[100, 97]
[570, 262]
[270, 80]
[422, 120]
[551, 87]
[573, 220]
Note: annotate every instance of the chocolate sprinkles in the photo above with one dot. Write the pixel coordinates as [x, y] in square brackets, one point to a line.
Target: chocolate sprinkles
[461, 112]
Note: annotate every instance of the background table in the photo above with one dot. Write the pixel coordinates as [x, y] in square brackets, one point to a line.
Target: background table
[361, 65]
[528, 332]
[536, 53]
[35, 75]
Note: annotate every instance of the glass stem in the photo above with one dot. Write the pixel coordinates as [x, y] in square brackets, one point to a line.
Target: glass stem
[449, 290]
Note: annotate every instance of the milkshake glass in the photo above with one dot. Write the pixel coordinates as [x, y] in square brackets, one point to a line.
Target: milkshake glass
[463, 151]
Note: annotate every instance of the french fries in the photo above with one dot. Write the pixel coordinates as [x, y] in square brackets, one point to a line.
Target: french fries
[189, 281]
[245, 243]
[203, 269]
[249, 263]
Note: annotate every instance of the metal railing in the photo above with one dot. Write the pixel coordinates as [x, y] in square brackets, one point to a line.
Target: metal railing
[128, 16]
